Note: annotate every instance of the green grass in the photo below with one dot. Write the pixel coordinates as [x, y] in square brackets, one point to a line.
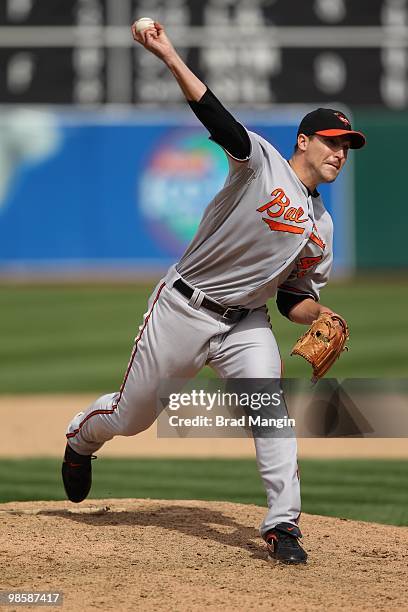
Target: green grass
[79, 338]
[368, 490]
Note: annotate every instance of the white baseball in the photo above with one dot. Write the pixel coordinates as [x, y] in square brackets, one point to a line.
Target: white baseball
[143, 23]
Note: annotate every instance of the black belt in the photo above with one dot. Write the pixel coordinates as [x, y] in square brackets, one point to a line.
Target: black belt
[232, 314]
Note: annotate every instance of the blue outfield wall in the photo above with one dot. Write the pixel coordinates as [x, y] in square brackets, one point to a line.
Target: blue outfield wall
[82, 191]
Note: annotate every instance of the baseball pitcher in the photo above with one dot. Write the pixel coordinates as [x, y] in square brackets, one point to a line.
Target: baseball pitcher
[265, 234]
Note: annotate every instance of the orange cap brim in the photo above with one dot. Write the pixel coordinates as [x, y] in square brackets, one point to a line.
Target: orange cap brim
[357, 139]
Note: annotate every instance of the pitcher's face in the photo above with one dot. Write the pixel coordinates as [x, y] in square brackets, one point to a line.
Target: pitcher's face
[326, 155]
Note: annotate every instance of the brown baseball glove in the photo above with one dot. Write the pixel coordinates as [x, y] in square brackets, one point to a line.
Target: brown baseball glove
[323, 343]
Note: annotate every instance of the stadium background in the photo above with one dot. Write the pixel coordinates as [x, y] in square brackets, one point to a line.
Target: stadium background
[103, 177]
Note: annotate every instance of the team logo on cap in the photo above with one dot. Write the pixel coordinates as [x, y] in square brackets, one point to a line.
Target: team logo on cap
[343, 119]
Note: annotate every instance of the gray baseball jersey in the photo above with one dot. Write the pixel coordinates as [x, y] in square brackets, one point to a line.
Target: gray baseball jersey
[261, 230]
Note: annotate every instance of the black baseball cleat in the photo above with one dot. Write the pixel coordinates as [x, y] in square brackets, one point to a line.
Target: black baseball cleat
[283, 544]
[76, 474]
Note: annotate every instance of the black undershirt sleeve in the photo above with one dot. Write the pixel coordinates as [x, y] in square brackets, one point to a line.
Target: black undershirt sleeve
[224, 129]
[285, 301]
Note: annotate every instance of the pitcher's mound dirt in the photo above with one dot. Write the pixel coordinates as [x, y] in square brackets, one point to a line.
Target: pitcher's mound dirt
[130, 554]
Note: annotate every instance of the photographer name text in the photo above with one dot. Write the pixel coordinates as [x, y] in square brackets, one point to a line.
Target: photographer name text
[222, 421]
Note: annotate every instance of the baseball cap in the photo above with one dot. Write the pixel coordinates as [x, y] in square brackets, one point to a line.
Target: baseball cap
[329, 122]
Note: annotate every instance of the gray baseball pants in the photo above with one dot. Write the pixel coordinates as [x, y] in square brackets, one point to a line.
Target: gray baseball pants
[176, 340]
